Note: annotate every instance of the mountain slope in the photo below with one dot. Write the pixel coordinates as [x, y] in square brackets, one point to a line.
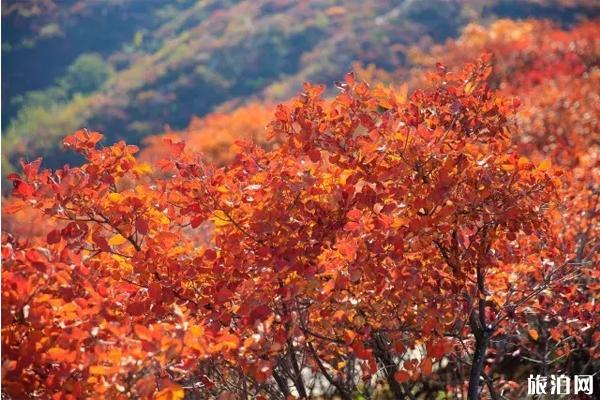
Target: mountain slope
[187, 58]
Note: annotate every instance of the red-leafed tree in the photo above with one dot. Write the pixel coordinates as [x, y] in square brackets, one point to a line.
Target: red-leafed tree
[385, 241]
[554, 73]
[214, 135]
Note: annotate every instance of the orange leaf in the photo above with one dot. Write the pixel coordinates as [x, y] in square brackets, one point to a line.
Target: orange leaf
[426, 366]
[142, 332]
[545, 165]
[61, 355]
[225, 342]
[401, 376]
[100, 370]
[534, 334]
[173, 392]
[117, 240]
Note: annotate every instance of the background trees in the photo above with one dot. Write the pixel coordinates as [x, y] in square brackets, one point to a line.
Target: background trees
[187, 58]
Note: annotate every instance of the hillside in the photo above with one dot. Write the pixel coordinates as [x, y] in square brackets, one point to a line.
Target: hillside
[130, 68]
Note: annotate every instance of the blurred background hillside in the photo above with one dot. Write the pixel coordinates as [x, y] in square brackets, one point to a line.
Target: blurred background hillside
[133, 68]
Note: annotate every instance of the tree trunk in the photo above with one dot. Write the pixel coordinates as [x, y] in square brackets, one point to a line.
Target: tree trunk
[481, 344]
[482, 334]
[385, 358]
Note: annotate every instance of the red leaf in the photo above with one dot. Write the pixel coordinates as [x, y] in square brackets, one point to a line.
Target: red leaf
[74, 230]
[210, 254]
[101, 242]
[137, 308]
[259, 313]
[426, 366]
[31, 169]
[436, 349]
[34, 256]
[281, 113]
[223, 295]
[155, 291]
[23, 188]
[196, 221]
[95, 137]
[314, 155]
[176, 148]
[141, 226]
[7, 251]
[360, 350]
[401, 376]
[354, 214]
[53, 237]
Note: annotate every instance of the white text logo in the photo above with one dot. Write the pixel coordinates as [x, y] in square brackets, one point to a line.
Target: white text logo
[560, 384]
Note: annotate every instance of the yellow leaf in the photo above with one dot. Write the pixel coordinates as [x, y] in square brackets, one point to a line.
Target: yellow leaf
[223, 189]
[402, 94]
[70, 307]
[220, 218]
[469, 87]
[534, 334]
[143, 168]
[115, 197]
[327, 179]
[193, 338]
[345, 175]
[117, 240]
[545, 165]
[196, 331]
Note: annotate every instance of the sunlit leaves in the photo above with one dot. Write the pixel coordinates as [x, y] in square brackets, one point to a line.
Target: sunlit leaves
[172, 392]
[358, 241]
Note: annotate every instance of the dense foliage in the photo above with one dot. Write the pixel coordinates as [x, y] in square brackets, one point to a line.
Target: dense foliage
[427, 228]
[438, 241]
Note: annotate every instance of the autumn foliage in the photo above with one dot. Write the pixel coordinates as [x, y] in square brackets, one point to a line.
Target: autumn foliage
[214, 135]
[379, 245]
